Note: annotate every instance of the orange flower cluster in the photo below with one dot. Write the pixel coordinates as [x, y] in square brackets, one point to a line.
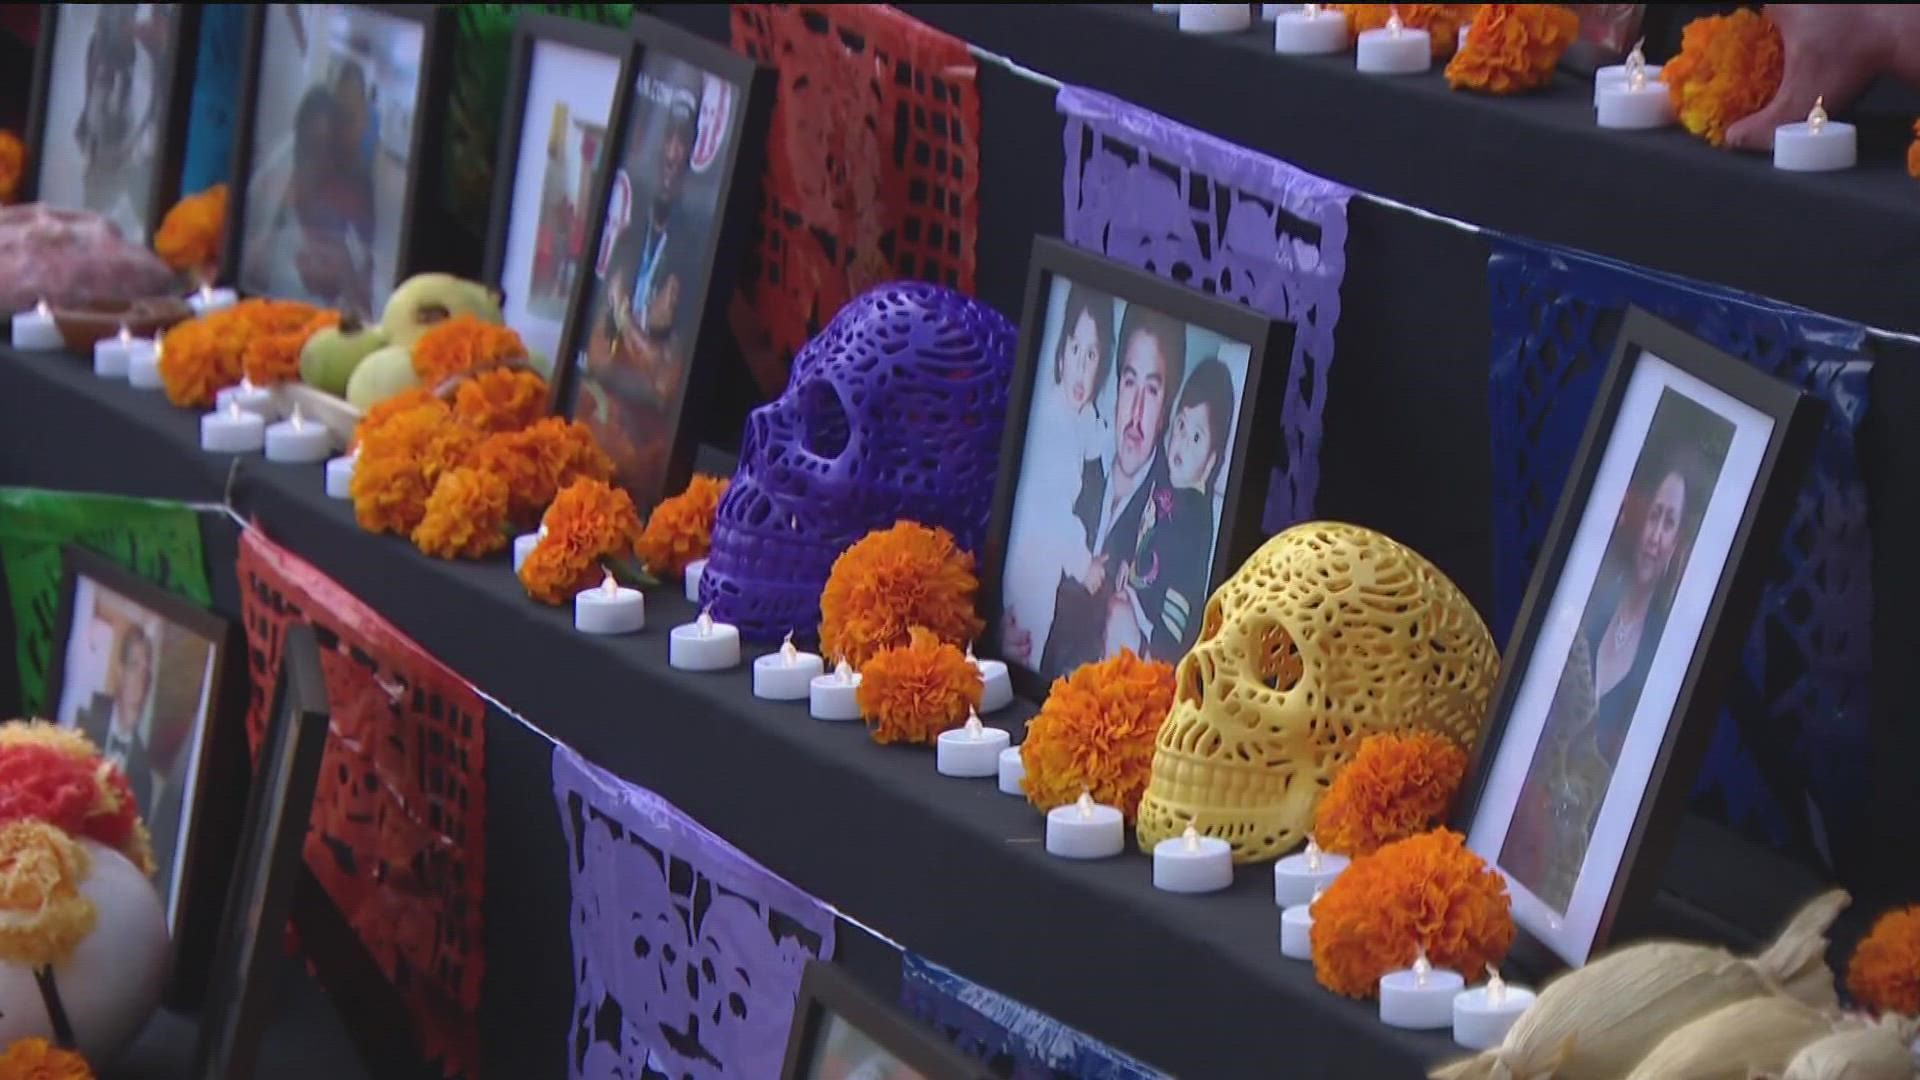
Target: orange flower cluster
[1884, 974]
[589, 521]
[1913, 153]
[56, 775]
[1397, 785]
[1442, 22]
[538, 461]
[1096, 732]
[461, 344]
[34, 1058]
[465, 517]
[892, 579]
[680, 528]
[389, 485]
[43, 913]
[13, 165]
[203, 356]
[913, 692]
[1425, 891]
[1728, 68]
[191, 234]
[1513, 47]
[501, 400]
[275, 358]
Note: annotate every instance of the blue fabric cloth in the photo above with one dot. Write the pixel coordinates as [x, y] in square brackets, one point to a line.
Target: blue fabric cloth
[1014, 1042]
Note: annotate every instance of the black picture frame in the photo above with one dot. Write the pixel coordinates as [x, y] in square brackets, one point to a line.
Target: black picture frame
[425, 155]
[1253, 449]
[1795, 422]
[218, 769]
[171, 116]
[828, 993]
[737, 204]
[268, 871]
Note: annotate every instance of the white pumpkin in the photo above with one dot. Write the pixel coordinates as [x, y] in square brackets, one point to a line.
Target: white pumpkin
[112, 983]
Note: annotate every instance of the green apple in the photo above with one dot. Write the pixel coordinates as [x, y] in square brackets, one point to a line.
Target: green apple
[330, 357]
[425, 300]
[384, 373]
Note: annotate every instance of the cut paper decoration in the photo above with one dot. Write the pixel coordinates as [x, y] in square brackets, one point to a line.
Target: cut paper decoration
[398, 837]
[1230, 222]
[1788, 763]
[156, 539]
[686, 953]
[1014, 1042]
[872, 169]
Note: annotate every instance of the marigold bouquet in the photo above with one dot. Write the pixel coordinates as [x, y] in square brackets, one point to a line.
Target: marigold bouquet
[1884, 974]
[911, 693]
[680, 529]
[190, 236]
[1513, 47]
[893, 579]
[1095, 733]
[590, 524]
[1728, 68]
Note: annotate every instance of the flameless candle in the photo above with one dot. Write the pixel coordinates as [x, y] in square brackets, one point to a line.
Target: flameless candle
[996, 688]
[1391, 50]
[293, 441]
[970, 750]
[609, 608]
[232, 430]
[1296, 930]
[110, 355]
[340, 476]
[1634, 103]
[524, 544]
[1309, 32]
[255, 399]
[1191, 863]
[835, 695]
[692, 574]
[206, 300]
[34, 329]
[1419, 997]
[1012, 772]
[1482, 1015]
[1818, 145]
[1085, 830]
[1460, 42]
[786, 675]
[704, 645]
[1215, 18]
[1297, 877]
[1617, 74]
[143, 367]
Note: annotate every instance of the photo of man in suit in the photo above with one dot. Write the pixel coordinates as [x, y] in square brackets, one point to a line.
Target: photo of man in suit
[117, 718]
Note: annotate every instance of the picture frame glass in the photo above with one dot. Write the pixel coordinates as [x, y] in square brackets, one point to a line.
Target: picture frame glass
[107, 106]
[843, 1051]
[332, 148]
[1124, 481]
[143, 688]
[642, 306]
[1597, 702]
[563, 139]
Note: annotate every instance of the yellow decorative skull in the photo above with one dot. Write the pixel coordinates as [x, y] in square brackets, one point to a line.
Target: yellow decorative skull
[1328, 634]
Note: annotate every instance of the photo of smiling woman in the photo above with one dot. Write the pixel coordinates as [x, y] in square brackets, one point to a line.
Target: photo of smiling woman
[1620, 632]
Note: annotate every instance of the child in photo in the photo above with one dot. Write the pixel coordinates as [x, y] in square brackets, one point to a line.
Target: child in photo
[1053, 541]
[1156, 610]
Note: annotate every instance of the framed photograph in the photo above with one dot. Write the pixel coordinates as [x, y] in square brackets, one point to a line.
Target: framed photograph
[337, 150]
[111, 88]
[158, 684]
[842, 1032]
[563, 75]
[673, 205]
[1634, 618]
[267, 872]
[1122, 500]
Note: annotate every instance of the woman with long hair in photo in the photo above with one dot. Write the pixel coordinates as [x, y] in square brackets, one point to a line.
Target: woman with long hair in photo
[321, 238]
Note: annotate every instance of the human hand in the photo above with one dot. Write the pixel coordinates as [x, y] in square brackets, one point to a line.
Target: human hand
[1095, 578]
[1832, 51]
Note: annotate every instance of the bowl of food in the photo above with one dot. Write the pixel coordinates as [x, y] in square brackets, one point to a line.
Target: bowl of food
[83, 324]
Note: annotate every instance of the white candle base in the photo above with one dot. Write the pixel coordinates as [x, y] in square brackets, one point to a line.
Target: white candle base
[1192, 864]
[291, 442]
[1460, 42]
[143, 369]
[1295, 33]
[1296, 932]
[691, 576]
[232, 432]
[1616, 75]
[714, 647]
[251, 398]
[835, 696]
[340, 477]
[970, 752]
[523, 546]
[1296, 878]
[1215, 18]
[1479, 1023]
[207, 300]
[996, 686]
[1419, 1001]
[601, 610]
[1085, 830]
[1012, 772]
[1803, 148]
[34, 330]
[1625, 108]
[786, 676]
[1390, 52]
[110, 356]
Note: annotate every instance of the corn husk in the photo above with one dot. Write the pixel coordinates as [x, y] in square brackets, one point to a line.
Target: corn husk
[1596, 1022]
[1876, 1051]
[1757, 1036]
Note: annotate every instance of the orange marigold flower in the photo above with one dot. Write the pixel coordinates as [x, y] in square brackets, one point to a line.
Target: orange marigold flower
[1513, 47]
[913, 692]
[1395, 786]
[390, 485]
[1913, 153]
[892, 579]
[203, 356]
[466, 516]
[34, 1058]
[1884, 974]
[1442, 22]
[190, 236]
[680, 528]
[13, 165]
[501, 400]
[1728, 68]
[275, 358]
[43, 914]
[589, 521]
[539, 461]
[1425, 890]
[56, 775]
[403, 402]
[1095, 733]
[461, 344]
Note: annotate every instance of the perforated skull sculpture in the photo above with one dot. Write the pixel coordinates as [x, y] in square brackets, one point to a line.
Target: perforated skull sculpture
[894, 411]
[1328, 634]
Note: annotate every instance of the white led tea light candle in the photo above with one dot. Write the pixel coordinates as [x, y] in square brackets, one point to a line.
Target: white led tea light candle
[836, 694]
[786, 675]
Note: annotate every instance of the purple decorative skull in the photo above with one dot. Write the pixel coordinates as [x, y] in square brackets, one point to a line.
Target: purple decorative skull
[893, 412]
